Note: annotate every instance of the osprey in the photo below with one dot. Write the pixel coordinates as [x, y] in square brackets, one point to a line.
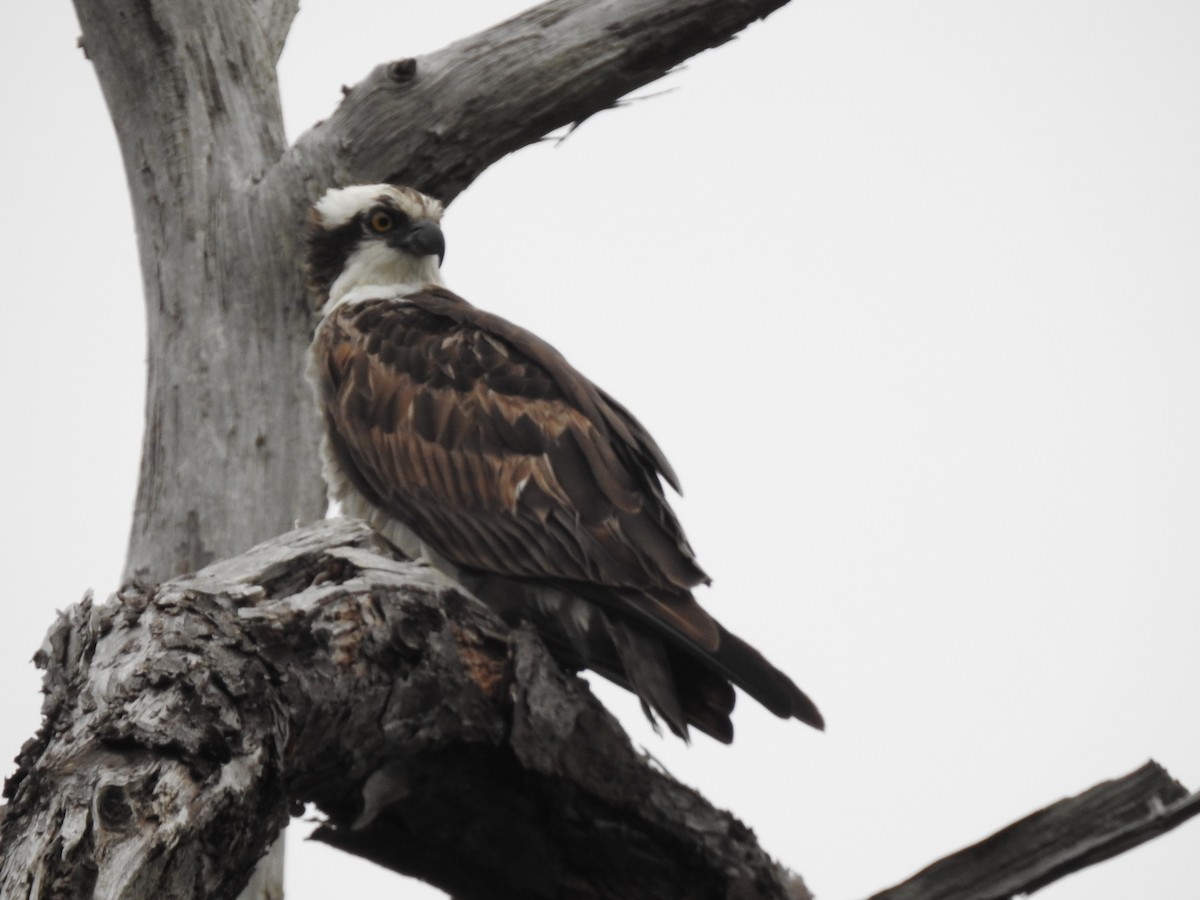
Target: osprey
[473, 444]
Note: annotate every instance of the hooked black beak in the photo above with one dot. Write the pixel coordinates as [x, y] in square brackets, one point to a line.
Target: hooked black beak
[424, 238]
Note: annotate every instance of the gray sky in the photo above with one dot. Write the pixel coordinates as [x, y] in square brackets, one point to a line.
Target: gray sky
[910, 295]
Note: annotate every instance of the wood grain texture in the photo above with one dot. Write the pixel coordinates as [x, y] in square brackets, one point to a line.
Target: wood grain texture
[184, 723]
[1080, 831]
[229, 456]
[437, 121]
[228, 453]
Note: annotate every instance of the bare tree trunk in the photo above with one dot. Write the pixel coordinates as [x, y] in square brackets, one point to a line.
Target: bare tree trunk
[228, 456]
[182, 722]
[227, 452]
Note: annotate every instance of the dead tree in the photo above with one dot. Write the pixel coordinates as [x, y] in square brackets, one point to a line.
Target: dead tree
[219, 199]
[183, 723]
[185, 718]
[319, 668]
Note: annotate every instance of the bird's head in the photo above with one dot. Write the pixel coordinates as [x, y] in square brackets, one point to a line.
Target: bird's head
[372, 235]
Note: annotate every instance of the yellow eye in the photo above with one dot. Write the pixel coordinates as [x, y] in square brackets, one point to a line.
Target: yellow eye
[381, 221]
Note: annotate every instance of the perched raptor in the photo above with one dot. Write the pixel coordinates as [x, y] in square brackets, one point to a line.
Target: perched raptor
[472, 443]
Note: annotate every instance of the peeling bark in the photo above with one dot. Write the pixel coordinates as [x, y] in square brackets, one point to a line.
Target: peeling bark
[184, 723]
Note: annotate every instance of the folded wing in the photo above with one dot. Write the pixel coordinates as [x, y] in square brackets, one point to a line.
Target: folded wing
[485, 442]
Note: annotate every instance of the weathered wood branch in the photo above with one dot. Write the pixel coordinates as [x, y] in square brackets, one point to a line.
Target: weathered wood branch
[229, 452]
[438, 121]
[183, 723]
[219, 201]
[276, 17]
[1080, 831]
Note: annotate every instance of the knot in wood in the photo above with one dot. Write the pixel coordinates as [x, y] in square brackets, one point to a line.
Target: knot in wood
[403, 71]
[113, 808]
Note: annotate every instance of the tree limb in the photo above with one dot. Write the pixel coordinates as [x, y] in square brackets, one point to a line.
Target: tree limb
[183, 723]
[438, 121]
[1103, 821]
[229, 452]
[219, 202]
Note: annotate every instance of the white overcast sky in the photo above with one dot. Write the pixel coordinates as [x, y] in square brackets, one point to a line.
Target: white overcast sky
[909, 293]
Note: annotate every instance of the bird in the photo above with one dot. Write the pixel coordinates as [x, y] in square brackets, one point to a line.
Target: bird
[473, 445]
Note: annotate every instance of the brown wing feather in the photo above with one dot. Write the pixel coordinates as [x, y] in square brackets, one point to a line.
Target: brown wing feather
[483, 440]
